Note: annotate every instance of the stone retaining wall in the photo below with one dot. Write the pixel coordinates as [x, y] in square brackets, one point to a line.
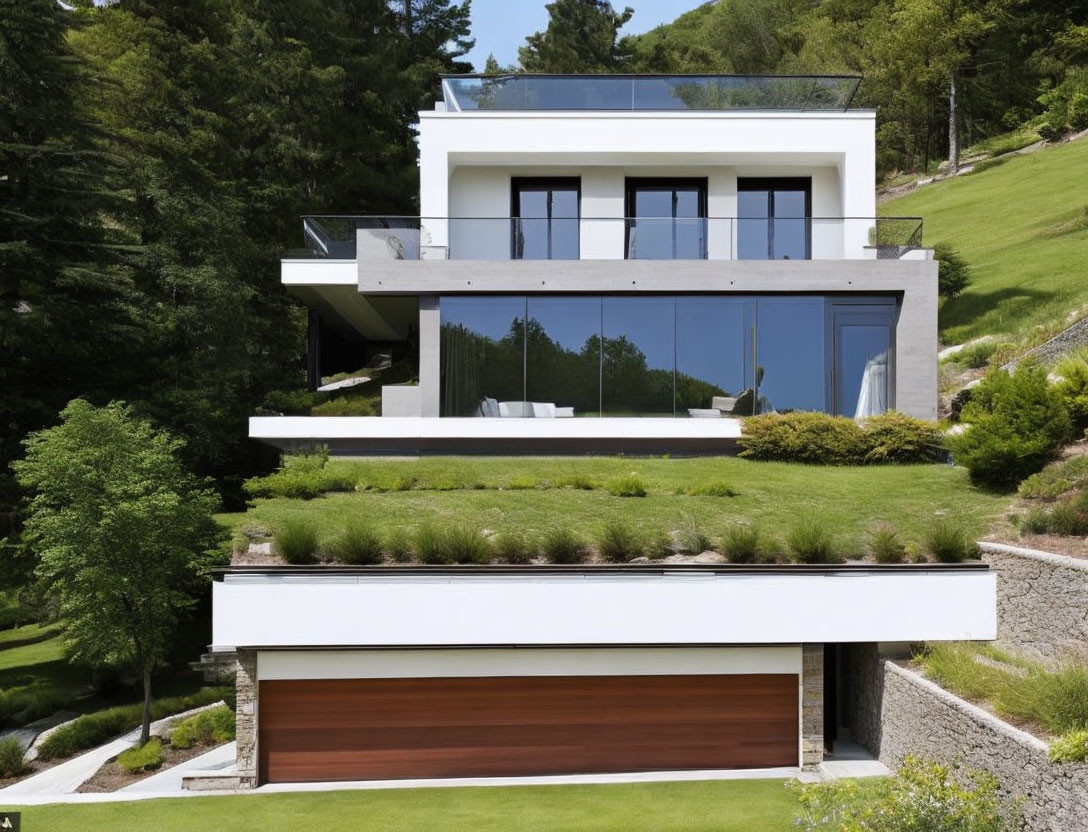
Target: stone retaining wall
[246, 720]
[896, 712]
[1042, 600]
[1071, 338]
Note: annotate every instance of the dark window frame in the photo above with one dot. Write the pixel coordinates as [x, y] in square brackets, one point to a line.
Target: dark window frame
[542, 183]
[633, 184]
[771, 184]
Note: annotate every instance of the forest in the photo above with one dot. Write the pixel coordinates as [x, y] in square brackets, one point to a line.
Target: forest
[155, 157]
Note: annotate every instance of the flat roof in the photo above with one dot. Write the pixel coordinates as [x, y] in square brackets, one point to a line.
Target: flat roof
[646, 569]
[524, 92]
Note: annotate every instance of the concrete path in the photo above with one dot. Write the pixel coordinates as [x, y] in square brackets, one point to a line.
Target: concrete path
[69, 776]
[169, 781]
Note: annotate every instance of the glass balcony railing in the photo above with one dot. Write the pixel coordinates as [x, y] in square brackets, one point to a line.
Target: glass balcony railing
[798, 93]
[610, 238]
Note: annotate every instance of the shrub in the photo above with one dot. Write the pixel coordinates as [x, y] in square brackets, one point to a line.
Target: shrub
[953, 273]
[1056, 479]
[885, 546]
[358, 543]
[214, 726]
[347, 405]
[12, 758]
[958, 403]
[713, 488]
[923, 796]
[630, 485]
[1073, 387]
[144, 758]
[1036, 521]
[561, 545]
[691, 538]
[815, 438]
[810, 541]
[949, 543]
[1070, 517]
[91, 730]
[514, 547]
[452, 544]
[1017, 423]
[296, 540]
[619, 543]
[398, 544]
[975, 356]
[302, 476]
[896, 437]
[742, 543]
[1063, 699]
[1070, 748]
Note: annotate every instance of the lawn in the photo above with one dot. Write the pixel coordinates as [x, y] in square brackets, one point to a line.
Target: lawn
[724, 806]
[519, 493]
[1022, 225]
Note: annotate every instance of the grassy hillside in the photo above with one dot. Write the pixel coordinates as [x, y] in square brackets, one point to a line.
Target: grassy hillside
[1022, 224]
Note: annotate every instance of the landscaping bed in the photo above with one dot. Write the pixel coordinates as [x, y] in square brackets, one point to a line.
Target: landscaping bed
[631, 508]
[1047, 700]
[112, 777]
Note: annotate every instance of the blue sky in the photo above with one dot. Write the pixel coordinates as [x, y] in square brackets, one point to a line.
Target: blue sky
[500, 26]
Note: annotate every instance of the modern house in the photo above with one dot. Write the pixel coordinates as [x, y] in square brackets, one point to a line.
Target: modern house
[622, 263]
[601, 262]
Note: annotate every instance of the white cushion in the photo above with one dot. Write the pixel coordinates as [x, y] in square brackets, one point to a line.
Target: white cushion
[515, 410]
[543, 410]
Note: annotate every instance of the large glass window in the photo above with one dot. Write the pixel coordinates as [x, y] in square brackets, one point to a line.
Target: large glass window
[651, 355]
[713, 342]
[666, 219]
[639, 361]
[791, 354]
[563, 357]
[545, 219]
[774, 219]
[482, 355]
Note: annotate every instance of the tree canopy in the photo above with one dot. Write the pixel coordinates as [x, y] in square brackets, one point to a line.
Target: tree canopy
[121, 531]
[582, 36]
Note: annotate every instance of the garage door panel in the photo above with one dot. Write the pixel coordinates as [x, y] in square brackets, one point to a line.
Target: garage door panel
[389, 728]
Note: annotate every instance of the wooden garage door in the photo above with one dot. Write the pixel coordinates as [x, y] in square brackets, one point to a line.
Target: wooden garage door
[360, 729]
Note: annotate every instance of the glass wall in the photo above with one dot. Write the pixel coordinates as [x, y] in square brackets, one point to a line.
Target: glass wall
[563, 358]
[482, 354]
[664, 355]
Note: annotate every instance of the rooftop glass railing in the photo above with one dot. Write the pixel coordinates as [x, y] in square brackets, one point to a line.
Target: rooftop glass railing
[801, 93]
[609, 238]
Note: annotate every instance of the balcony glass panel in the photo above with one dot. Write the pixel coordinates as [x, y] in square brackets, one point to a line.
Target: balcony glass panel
[563, 354]
[482, 355]
[648, 92]
[639, 360]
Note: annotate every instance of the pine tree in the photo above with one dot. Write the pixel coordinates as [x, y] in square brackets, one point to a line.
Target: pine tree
[67, 314]
[582, 36]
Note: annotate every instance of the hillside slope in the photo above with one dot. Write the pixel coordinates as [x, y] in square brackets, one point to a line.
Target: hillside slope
[1022, 225]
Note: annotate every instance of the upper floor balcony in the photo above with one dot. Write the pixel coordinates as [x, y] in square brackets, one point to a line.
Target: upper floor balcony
[376, 239]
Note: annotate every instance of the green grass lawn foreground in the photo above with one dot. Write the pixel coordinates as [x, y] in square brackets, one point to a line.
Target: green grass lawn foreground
[1022, 225]
[770, 494]
[723, 806]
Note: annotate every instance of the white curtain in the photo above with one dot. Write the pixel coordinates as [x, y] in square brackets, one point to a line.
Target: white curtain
[873, 397]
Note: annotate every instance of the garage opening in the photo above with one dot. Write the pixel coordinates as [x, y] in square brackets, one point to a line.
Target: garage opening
[367, 729]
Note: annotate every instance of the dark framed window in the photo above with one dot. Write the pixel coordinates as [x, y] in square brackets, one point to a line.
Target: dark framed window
[545, 217]
[666, 218]
[774, 218]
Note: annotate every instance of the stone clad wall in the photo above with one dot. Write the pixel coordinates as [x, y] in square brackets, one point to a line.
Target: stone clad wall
[812, 705]
[900, 713]
[246, 719]
[1042, 600]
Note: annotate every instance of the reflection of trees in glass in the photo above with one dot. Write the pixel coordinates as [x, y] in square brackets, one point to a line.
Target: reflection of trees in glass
[475, 366]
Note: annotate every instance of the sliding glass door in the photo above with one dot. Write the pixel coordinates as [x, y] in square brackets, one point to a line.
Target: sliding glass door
[862, 365]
